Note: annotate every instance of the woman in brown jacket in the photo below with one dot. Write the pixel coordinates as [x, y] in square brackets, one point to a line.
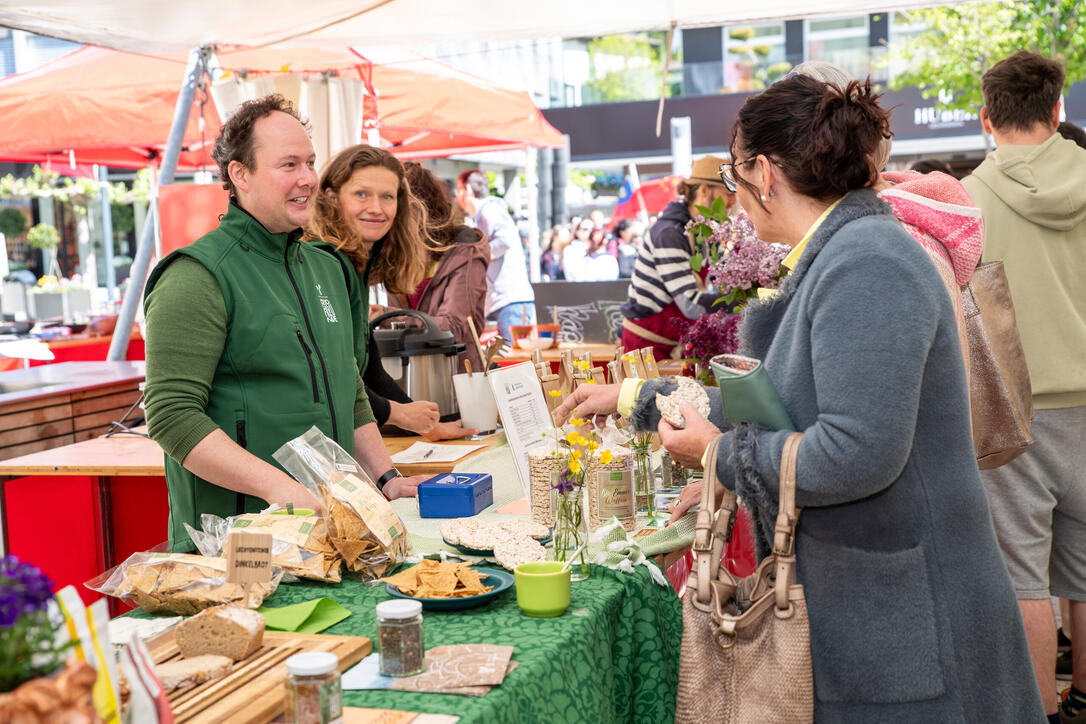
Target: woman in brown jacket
[454, 288]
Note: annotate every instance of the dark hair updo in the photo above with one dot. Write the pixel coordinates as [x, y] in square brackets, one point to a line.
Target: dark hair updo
[822, 137]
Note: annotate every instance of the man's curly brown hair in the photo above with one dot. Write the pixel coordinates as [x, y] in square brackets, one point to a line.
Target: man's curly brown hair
[235, 141]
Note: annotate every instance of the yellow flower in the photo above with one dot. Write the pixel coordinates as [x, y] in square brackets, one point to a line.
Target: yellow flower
[606, 457]
[583, 364]
[574, 466]
[592, 444]
[576, 421]
[590, 382]
[555, 393]
[575, 454]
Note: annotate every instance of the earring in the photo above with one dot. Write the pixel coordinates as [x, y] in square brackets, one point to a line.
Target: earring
[763, 197]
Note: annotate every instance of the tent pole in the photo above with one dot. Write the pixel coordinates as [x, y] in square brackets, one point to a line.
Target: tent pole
[137, 277]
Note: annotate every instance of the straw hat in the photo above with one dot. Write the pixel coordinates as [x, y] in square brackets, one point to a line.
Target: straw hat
[706, 170]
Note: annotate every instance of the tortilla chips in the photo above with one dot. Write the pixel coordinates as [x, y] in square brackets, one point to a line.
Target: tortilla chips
[439, 579]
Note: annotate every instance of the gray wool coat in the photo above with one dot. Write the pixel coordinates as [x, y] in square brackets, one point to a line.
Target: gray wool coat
[912, 613]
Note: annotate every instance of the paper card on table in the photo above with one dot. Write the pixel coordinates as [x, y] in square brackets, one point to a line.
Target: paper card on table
[523, 412]
[516, 507]
[248, 557]
[466, 669]
[360, 715]
[428, 452]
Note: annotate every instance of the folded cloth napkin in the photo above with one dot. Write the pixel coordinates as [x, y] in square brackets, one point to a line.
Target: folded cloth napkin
[622, 552]
[307, 617]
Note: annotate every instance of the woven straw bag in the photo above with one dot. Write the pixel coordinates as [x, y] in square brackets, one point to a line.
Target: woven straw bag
[746, 648]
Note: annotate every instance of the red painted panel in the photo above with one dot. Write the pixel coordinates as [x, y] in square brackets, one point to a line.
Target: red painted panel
[140, 509]
[53, 522]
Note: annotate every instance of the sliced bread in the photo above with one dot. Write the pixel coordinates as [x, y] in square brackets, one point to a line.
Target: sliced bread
[228, 630]
[189, 672]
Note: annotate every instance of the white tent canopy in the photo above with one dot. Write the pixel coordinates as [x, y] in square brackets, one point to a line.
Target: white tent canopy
[155, 26]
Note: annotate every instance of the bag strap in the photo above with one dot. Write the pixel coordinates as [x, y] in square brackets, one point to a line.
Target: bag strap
[784, 534]
[712, 529]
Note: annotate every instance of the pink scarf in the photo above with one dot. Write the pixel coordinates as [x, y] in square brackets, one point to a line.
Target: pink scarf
[937, 205]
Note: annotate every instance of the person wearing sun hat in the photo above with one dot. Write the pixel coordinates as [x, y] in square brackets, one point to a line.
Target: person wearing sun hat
[664, 289]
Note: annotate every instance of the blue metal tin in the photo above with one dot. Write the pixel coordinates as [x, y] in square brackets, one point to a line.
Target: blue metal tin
[455, 495]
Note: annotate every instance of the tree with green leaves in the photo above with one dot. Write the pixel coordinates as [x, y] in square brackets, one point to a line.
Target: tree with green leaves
[625, 67]
[961, 42]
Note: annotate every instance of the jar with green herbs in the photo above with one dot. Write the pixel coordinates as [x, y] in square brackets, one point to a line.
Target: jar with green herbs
[399, 636]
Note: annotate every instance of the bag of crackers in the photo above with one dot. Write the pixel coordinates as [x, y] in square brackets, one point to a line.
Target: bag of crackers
[179, 583]
[300, 544]
[362, 526]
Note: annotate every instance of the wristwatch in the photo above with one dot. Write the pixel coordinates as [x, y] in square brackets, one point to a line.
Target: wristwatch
[389, 475]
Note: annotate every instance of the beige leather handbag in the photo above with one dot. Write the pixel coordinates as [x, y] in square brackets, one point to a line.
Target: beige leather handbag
[1000, 396]
[746, 647]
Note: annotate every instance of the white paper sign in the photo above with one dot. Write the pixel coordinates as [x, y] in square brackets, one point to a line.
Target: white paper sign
[523, 412]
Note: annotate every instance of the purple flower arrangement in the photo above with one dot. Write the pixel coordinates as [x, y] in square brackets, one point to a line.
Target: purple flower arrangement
[739, 264]
[28, 646]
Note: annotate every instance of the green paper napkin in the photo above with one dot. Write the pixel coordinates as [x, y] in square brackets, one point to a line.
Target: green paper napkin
[307, 617]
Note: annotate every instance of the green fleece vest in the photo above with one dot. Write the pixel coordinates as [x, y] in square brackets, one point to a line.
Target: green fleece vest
[289, 358]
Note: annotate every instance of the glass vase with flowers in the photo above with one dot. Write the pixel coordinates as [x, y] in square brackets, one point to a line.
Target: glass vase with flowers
[576, 450]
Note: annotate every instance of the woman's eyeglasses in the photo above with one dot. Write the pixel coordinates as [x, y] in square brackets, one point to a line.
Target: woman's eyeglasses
[727, 173]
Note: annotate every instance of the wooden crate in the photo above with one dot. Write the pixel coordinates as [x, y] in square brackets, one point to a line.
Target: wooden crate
[254, 692]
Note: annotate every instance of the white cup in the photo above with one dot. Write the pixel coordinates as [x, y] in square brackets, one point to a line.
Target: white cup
[476, 402]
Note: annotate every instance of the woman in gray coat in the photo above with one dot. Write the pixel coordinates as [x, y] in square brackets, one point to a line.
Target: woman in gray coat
[912, 614]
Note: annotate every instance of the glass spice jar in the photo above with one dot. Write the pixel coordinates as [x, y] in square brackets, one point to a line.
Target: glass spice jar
[314, 692]
[399, 635]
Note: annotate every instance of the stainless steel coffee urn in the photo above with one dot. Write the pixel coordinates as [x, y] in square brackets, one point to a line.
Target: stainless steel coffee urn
[422, 359]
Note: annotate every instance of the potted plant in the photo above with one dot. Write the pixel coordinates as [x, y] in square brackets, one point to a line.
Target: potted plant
[12, 222]
[28, 647]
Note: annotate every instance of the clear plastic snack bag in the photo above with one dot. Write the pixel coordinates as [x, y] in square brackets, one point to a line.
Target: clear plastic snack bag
[362, 526]
[300, 544]
[179, 583]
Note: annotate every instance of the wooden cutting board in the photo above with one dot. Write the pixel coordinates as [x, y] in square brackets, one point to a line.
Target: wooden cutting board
[253, 693]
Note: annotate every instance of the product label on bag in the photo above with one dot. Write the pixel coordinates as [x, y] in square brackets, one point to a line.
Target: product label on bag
[614, 494]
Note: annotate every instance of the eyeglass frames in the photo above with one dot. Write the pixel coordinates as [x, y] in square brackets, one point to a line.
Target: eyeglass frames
[727, 175]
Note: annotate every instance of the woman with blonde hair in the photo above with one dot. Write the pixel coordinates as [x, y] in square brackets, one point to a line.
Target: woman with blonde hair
[365, 207]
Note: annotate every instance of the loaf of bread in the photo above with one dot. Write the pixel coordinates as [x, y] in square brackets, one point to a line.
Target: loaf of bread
[228, 630]
[189, 672]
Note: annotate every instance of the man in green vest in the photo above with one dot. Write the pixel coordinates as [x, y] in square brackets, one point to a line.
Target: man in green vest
[250, 339]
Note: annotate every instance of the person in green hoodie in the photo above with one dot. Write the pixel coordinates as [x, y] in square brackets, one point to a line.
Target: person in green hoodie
[251, 336]
[1032, 194]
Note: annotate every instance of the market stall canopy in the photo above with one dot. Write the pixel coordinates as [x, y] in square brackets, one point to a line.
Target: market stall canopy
[139, 25]
[115, 108]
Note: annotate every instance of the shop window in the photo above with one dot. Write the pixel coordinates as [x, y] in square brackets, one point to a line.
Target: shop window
[845, 42]
[754, 56]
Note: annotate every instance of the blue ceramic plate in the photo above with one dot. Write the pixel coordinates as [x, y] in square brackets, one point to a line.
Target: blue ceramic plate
[500, 580]
[489, 552]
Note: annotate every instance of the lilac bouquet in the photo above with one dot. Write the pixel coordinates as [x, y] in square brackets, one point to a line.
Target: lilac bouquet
[28, 647]
[739, 264]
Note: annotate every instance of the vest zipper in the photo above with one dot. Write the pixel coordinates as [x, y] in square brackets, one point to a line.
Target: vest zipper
[316, 349]
[309, 360]
[239, 498]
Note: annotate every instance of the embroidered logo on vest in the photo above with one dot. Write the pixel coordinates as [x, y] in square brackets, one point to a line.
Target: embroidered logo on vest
[326, 305]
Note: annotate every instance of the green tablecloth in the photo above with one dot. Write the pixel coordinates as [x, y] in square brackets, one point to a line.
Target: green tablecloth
[612, 657]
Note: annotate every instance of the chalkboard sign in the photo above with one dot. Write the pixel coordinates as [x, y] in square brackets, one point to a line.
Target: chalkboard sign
[586, 312]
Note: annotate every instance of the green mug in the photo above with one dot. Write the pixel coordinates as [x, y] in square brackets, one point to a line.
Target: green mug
[542, 588]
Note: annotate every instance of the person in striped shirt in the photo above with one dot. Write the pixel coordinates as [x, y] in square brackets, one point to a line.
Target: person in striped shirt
[664, 288]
